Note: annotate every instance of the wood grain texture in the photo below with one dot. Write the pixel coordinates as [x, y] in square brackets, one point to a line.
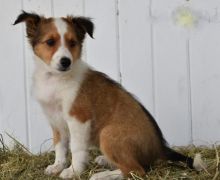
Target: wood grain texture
[102, 51]
[172, 93]
[205, 77]
[12, 83]
[135, 50]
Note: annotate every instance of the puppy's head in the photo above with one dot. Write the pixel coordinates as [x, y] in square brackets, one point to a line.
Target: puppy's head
[56, 41]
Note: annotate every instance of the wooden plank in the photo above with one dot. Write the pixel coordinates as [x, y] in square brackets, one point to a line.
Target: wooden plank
[208, 10]
[172, 86]
[203, 58]
[12, 88]
[135, 50]
[68, 7]
[39, 130]
[205, 78]
[162, 10]
[102, 51]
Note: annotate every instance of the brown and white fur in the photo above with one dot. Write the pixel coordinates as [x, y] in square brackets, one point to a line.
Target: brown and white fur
[87, 108]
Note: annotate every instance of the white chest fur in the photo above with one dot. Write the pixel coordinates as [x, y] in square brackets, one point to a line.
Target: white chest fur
[47, 92]
[56, 92]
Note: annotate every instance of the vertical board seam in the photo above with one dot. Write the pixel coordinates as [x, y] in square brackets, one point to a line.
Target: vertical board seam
[84, 7]
[118, 41]
[52, 7]
[27, 115]
[152, 60]
[189, 87]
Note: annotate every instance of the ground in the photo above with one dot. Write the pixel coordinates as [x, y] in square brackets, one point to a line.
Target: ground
[22, 165]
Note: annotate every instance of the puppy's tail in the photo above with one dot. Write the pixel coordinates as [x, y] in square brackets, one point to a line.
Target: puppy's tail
[196, 163]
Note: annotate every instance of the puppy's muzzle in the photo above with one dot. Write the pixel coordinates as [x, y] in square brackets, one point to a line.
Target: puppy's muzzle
[65, 63]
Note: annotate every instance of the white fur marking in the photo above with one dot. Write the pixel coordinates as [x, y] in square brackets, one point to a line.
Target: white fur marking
[61, 151]
[61, 28]
[54, 169]
[60, 159]
[198, 163]
[67, 173]
[62, 50]
[79, 143]
[102, 161]
[79, 137]
[108, 175]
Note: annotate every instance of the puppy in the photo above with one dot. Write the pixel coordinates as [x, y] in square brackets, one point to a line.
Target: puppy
[86, 108]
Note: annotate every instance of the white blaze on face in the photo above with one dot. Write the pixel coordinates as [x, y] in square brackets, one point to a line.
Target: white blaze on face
[62, 51]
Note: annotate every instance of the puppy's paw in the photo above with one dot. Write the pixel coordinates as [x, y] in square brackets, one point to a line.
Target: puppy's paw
[102, 161]
[108, 175]
[54, 169]
[67, 173]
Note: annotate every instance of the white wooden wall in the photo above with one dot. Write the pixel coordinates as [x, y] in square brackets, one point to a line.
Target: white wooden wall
[175, 72]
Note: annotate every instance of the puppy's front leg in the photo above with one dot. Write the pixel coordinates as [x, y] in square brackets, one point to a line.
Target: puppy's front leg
[60, 141]
[79, 137]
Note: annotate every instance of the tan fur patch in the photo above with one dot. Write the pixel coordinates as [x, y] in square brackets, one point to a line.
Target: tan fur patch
[56, 136]
[47, 31]
[118, 123]
[71, 38]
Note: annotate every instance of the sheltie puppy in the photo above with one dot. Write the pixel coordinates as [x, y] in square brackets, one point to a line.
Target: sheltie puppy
[86, 108]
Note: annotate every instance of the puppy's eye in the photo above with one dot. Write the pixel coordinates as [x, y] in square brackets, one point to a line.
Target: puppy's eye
[50, 42]
[72, 43]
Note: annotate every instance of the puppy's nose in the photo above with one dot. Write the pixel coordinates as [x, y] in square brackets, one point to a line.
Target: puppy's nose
[65, 63]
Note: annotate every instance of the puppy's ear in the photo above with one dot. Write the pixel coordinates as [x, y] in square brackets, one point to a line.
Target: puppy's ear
[31, 20]
[83, 25]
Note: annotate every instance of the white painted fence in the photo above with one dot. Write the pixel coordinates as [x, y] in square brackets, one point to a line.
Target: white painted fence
[174, 71]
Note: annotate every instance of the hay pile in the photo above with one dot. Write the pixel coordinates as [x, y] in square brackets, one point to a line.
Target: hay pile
[20, 164]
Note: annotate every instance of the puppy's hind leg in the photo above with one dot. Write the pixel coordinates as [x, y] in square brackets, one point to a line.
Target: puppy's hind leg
[108, 175]
[121, 153]
[103, 161]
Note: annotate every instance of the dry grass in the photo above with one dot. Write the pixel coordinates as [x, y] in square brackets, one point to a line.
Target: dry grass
[20, 164]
